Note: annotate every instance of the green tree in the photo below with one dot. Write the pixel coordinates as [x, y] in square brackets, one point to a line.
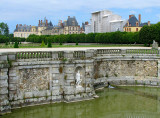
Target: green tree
[16, 44]
[4, 30]
[144, 35]
[49, 44]
[42, 44]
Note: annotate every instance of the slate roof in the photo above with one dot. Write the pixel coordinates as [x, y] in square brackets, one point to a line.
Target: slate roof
[23, 28]
[71, 21]
[133, 21]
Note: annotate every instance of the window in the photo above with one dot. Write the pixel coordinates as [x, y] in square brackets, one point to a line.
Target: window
[73, 28]
[137, 23]
[130, 29]
[127, 29]
[136, 29]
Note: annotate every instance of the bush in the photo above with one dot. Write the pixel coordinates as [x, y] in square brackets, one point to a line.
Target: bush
[76, 43]
[6, 43]
[16, 44]
[49, 44]
[42, 44]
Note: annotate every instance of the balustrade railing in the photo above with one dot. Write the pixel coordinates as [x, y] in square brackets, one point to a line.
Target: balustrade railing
[33, 55]
[79, 54]
[142, 51]
[108, 51]
[60, 54]
[82, 54]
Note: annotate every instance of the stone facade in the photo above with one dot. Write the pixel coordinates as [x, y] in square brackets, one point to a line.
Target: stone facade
[49, 77]
[44, 28]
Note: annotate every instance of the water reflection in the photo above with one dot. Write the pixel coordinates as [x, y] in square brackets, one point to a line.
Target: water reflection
[113, 103]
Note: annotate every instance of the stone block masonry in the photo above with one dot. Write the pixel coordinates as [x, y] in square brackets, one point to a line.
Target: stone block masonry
[34, 78]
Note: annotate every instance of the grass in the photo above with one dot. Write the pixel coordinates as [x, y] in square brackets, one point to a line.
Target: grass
[38, 45]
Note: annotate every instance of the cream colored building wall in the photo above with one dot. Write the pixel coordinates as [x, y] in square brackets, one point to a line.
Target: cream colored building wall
[40, 29]
[23, 34]
[66, 30]
[133, 29]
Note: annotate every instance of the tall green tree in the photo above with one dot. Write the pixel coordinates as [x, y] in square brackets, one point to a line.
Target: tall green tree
[4, 30]
[144, 35]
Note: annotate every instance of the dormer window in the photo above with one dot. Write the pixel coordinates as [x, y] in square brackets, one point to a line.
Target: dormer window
[137, 24]
[73, 23]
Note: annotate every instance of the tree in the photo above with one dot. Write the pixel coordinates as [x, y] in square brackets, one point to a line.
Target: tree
[49, 44]
[144, 35]
[42, 44]
[4, 30]
[16, 44]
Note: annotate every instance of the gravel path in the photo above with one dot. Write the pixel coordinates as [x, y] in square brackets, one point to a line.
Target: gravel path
[67, 49]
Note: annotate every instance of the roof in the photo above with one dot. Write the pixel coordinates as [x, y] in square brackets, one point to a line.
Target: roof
[132, 21]
[71, 21]
[23, 27]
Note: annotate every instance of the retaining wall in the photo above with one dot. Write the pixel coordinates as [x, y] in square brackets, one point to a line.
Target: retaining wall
[33, 78]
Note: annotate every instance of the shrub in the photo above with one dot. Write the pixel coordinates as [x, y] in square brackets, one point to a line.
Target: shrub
[42, 44]
[16, 44]
[49, 44]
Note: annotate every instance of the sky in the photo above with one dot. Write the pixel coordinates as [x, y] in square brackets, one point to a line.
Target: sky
[29, 12]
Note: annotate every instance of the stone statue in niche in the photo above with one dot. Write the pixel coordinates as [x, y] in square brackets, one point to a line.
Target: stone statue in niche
[78, 79]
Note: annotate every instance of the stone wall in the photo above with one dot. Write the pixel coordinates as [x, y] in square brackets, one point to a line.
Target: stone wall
[33, 78]
[118, 68]
[4, 99]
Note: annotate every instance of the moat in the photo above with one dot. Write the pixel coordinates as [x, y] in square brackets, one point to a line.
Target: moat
[121, 102]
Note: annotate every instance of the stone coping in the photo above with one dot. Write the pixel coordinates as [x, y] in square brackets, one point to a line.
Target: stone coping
[67, 49]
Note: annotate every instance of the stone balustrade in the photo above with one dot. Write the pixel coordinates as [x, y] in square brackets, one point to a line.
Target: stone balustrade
[58, 55]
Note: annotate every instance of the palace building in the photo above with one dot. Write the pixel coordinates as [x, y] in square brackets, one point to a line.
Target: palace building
[70, 26]
[134, 25]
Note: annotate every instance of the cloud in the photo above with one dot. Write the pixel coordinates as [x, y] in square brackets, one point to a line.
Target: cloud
[25, 10]
[16, 9]
[132, 12]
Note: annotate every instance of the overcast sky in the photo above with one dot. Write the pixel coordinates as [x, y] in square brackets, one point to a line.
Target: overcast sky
[29, 12]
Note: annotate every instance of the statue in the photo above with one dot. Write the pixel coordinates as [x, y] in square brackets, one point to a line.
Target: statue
[78, 79]
[155, 45]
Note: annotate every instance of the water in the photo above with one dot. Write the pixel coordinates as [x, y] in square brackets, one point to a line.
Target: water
[123, 102]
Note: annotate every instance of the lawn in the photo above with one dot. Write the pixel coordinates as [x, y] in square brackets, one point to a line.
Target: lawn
[38, 45]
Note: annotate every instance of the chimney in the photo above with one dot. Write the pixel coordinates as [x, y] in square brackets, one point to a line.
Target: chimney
[149, 23]
[68, 16]
[61, 24]
[130, 16]
[86, 23]
[46, 22]
[140, 18]
[39, 22]
[16, 26]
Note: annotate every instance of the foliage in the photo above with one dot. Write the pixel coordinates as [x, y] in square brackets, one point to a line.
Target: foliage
[16, 44]
[4, 30]
[49, 44]
[42, 44]
[149, 33]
